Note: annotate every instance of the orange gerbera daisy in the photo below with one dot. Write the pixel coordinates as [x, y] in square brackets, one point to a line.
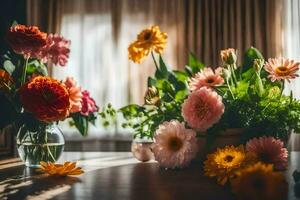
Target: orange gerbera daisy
[46, 98]
[281, 69]
[68, 168]
[149, 39]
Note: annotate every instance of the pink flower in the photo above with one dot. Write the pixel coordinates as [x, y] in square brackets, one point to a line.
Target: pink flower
[75, 94]
[174, 146]
[202, 109]
[269, 150]
[206, 78]
[57, 50]
[88, 104]
[281, 69]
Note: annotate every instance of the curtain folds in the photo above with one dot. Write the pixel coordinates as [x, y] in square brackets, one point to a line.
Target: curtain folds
[213, 25]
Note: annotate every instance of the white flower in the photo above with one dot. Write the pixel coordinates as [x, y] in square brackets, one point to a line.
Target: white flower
[174, 145]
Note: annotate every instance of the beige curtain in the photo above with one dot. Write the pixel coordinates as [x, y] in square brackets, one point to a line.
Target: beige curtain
[213, 25]
[47, 14]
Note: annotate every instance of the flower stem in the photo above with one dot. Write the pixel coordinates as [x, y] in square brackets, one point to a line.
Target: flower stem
[233, 74]
[229, 88]
[24, 70]
[154, 60]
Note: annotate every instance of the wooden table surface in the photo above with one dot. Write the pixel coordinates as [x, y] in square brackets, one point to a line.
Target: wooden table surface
[111, 175]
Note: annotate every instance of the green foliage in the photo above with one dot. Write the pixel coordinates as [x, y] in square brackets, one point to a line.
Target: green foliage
[251, 100]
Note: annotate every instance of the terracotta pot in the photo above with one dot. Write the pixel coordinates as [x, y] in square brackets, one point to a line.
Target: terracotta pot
[223, 138]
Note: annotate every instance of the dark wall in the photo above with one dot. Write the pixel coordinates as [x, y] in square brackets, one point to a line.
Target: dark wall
[10, 10]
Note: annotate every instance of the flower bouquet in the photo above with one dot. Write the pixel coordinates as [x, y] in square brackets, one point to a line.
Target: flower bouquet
[32, 101]
[195, 109]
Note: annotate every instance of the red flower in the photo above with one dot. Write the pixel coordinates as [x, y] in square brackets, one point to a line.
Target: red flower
[26, 40]
[46, 98]
[88, 104]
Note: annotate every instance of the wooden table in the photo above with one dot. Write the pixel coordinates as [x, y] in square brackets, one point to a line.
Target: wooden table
[116, 176]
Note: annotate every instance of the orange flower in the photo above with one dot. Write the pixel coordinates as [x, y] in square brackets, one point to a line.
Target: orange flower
[46, 98]
[26, 40]
[282, 69]
[68, 168]
[5, 80]
[75, 94]
[147, 40]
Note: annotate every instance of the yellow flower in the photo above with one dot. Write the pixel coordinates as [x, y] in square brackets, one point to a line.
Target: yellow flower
[68, 168]
[259, 182]
[225, 162]
[135, 54]
[149, 39]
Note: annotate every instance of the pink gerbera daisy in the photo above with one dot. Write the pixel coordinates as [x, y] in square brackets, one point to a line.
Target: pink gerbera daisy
[174, 145]
[206, 78]
[269, 150]
[75, 94]
[281, 69]
[202, 109]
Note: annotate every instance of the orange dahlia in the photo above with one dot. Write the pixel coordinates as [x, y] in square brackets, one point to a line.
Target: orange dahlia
[46, 98]
[282, 69]
[26, 40]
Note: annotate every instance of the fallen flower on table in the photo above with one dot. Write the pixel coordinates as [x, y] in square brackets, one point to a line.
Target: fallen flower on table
[259, 182]
[67, 169]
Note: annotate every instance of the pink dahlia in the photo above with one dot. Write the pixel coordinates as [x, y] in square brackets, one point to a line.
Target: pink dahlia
[206, 78]
[202, 109]
[75, 94]
[88, 104]
[281, 69]
[269, 150]
[57, 50]
[174, 145]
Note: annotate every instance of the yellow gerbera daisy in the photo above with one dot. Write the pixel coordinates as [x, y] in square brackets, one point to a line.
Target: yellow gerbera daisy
[225, 162]
[68, 168]
[149, 39]
[259, 182]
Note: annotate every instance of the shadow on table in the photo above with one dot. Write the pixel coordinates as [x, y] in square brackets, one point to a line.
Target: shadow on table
[35, 186]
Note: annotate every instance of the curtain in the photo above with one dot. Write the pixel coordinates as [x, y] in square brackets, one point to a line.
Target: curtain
[213, 25]
[291, 37]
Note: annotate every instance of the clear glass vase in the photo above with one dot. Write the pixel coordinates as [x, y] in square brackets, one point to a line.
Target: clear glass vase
[45, 143]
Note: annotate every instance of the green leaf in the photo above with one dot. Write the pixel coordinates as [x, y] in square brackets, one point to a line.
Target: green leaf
[250, 55]
[181, 76]
[81, 123]
[14, 23]
[195, 64]
[163, 67]
[9, 66]
[151, 82]
[131, 110]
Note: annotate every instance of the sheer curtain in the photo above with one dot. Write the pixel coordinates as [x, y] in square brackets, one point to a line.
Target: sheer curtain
[291, 41]
[100, 33]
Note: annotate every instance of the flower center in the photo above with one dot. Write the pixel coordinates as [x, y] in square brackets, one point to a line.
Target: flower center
[210, 80]
[147, 36]
[228, 158]
[282, 71]
[175, 144]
